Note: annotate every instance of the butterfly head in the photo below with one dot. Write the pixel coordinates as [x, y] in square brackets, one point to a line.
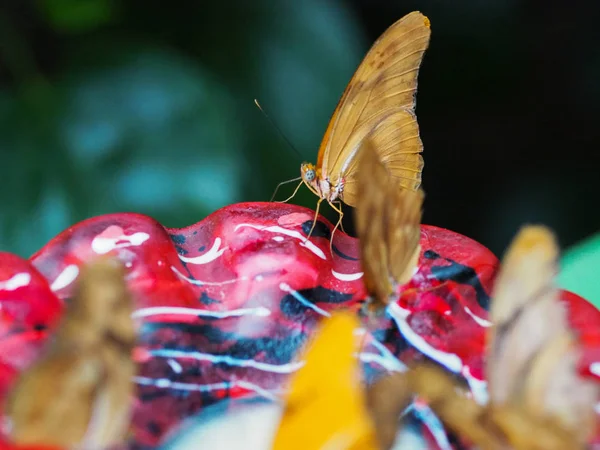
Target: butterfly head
[309, 174]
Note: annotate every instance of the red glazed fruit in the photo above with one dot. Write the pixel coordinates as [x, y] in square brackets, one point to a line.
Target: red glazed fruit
[224, 305]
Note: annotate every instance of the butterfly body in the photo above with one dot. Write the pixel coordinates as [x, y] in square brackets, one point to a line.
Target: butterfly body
[323, 187]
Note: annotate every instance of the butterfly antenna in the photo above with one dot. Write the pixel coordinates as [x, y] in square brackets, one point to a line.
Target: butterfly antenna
[278, 129]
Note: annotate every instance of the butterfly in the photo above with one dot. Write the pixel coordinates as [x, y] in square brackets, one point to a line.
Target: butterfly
[532, 354]
[379, 102]
[79, 393]
[537, 398]
[388, 224]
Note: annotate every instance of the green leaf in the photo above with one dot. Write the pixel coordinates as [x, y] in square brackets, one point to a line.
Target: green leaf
[167, 122]
[77, 15]
[581, 269]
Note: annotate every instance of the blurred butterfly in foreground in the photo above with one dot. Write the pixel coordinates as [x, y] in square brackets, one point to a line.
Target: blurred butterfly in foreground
[379, 102]
[388, 224]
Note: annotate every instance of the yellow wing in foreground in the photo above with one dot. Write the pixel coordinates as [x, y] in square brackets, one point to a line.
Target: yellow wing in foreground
[326, 405]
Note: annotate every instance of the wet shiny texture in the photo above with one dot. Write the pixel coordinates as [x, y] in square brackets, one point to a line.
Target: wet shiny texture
[224, 305]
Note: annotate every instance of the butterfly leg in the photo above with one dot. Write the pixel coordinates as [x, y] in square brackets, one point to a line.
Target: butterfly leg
[339, 222]
[339, 203]
[293, 195]
[315, 219]
[285, 182]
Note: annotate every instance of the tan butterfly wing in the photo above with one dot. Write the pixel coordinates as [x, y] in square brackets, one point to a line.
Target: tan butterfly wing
[79, 393]
[385, 81]
[388, 219]
[532, 355]
[487, 427]
[397, 145]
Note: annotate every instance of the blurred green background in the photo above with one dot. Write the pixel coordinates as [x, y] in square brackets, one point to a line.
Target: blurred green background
[147, 106]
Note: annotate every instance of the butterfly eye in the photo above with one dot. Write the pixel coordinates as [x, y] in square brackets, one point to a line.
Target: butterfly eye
[309, 175]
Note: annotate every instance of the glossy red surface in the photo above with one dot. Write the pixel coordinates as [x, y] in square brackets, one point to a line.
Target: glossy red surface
[224, 305]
